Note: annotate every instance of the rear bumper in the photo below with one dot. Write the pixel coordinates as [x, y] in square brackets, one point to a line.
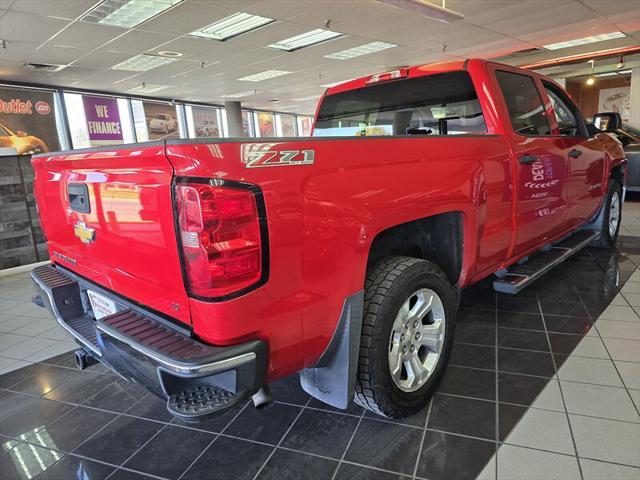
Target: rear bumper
[145, 348]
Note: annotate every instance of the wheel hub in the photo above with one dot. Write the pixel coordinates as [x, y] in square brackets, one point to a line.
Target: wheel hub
[614, 214]
[416, 340]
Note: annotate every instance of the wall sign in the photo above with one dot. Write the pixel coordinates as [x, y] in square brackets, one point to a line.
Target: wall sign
[28, 121]
[103, 120]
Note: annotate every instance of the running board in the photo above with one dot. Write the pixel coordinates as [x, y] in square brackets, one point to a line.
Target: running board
[519, 276]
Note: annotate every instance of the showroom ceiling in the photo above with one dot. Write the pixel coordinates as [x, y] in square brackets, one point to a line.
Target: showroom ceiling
[247, 68]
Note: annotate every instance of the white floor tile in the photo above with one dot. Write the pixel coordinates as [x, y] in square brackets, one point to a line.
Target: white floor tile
[599, 401]
[620, 349]
[544, 430]
[590, 370]
[8, 340]
[615, 312]
[593, 470]
[630, 373]
[24, 349]
[517, 463]
[617, 329]
[550, 397]
[607, 440]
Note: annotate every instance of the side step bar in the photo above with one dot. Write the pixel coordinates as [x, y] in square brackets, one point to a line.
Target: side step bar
[519, 276]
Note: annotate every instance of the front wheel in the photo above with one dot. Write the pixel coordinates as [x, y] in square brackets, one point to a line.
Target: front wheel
[407, 333]
[612, 216]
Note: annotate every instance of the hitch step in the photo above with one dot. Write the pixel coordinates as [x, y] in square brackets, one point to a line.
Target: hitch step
[520, 275]
[199, 400]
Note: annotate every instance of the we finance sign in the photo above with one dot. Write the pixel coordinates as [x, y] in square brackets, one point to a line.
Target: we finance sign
[103, 120]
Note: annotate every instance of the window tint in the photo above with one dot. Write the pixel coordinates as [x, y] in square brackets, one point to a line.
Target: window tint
[566, 113]
[442, 104]
[524, 104]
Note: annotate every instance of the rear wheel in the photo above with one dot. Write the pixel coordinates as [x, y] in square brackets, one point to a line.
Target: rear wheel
[612, 217]
[407, 332]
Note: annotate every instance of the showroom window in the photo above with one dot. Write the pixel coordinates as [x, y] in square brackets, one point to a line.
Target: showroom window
[156, 120]
[204, 121]
[247, 123]
[286, 125]
[524, 104]
[98, 120]
[442, 104]
[304, 126]
[265, 124]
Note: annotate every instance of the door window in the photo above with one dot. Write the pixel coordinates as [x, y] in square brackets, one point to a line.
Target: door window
[565, 110]
[524, 104]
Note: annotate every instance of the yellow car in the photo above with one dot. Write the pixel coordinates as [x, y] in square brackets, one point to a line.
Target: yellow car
[23, 143]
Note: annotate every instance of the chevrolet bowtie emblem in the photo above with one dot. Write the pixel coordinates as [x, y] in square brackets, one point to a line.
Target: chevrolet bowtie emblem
[84, 233]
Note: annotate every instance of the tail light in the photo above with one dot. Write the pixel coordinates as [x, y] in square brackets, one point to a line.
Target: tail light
[221, 241]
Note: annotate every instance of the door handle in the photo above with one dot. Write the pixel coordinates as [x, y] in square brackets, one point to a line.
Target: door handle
[526, 159]
[575, 153]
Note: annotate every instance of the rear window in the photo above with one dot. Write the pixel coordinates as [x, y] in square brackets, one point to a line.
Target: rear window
[442, 104]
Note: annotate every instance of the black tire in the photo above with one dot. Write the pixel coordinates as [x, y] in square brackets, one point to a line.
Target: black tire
[389, 283]
[608, 240]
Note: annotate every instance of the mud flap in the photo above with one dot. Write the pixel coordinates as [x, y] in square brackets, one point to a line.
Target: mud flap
[332, 378]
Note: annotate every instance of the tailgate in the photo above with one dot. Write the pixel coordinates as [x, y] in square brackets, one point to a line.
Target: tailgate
[108, 216]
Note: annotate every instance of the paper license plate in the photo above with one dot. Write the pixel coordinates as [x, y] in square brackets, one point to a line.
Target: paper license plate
[101, 305]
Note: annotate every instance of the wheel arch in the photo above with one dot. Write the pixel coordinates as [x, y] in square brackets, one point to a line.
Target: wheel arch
[438, 238]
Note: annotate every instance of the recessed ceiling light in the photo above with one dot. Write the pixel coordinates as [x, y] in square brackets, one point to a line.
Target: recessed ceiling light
[361, 50]
[240, 94]
[428, 9]
[231, 26]
[127, 13]
[305, 39]
[149, 88]
[584, 40]
[306, 99]
[169, 53]
[142, 63]
[267, 74]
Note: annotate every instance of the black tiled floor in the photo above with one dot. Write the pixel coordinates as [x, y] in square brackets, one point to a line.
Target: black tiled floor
[385, 445]
[229, 458]
[158, 456]
[126, 433]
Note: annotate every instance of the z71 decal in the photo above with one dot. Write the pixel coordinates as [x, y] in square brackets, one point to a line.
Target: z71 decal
[256, 155]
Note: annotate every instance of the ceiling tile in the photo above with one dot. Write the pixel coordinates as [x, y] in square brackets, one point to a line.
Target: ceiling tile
[57, 55]
[136, 41]
[16, 26]
[87, 35]
[69, 9]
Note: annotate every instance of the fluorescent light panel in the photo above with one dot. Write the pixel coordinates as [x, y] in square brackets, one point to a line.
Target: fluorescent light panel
[149, 88]
[305, 39]
[584, 40]
[233, 25]
[613, 74]
[240, 94]
[267, 74]
[127, 13]
[333, 84]
[361, 50]
[306, 99]
[142, 63]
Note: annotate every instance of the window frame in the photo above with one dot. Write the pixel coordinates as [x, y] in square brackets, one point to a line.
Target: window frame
[544, 101]
[560, 93]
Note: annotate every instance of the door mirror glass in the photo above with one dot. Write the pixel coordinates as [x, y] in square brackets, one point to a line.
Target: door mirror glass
[607, 121]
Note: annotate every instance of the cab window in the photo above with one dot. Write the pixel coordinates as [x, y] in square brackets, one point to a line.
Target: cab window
[564, 109]
[524, 103]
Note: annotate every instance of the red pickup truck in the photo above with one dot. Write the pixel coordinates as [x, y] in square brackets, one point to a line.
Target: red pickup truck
[205, 269]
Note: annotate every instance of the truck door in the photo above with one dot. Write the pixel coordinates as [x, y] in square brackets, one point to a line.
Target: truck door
[584, 157]
[541, 169]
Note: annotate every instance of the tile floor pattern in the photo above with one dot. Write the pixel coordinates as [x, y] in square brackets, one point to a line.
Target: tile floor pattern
[542, 385]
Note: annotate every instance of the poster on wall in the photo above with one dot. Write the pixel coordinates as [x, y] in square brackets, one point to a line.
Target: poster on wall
[205, 121]
[616, 100]
[161, 120]
[28, 121]
[103, 120]
[265, 124]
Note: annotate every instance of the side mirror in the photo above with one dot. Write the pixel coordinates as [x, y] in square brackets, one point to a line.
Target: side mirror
[607, 121]
[21, 133]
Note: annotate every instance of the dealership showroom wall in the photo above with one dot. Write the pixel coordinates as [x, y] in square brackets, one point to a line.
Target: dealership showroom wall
[320, 239]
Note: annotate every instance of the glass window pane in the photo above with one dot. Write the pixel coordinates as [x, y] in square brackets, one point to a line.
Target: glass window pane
[77, 120]
[288, 125]
[524, 104]
[205, 121]
[304, 126]
[125, 120]
[247, 123]
[139, 121]
[442, 104]
[265, 124]
[565, 111]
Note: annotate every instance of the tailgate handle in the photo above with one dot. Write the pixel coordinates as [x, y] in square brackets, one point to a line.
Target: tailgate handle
[79, 197]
